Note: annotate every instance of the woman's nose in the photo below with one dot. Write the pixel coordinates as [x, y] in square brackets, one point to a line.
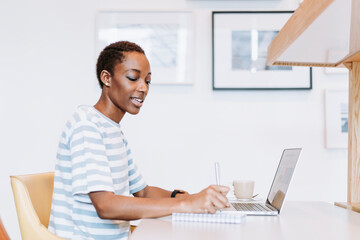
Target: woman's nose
[142, 86]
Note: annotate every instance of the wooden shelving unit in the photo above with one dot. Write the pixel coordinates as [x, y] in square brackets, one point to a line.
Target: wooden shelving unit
[312, 27]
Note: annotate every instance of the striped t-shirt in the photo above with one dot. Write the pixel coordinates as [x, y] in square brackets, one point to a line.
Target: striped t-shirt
[93, 155]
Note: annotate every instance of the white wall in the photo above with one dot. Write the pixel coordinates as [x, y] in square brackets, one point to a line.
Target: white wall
[47, 69]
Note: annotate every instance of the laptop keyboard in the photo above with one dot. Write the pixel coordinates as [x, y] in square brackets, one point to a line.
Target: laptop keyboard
[250, 207]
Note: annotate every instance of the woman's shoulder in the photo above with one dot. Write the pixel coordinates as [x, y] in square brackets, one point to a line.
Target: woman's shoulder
[77, 122]
[89, 115]
[83, 114]
[80, 112]
[88, 118]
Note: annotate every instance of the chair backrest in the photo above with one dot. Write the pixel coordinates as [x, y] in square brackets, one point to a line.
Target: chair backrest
[3, 233]
[33, 196]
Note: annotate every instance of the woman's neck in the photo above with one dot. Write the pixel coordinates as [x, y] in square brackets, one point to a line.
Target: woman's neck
[107, 107]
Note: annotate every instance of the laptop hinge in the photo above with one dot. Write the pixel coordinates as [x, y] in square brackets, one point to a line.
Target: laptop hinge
[271, 207]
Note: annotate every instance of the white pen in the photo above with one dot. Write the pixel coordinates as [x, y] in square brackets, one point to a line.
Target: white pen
[217, 173]
[217, 176]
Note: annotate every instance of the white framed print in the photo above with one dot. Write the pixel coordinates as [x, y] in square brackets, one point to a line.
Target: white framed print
[337, 118]
[166, 37]
[240, 43]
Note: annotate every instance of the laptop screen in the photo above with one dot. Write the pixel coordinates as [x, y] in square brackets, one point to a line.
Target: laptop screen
[283, 176]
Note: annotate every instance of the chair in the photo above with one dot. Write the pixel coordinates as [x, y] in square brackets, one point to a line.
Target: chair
[3, 233]
[33, 195]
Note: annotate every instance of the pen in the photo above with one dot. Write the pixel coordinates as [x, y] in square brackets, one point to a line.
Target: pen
[217, 176]
[217, 173]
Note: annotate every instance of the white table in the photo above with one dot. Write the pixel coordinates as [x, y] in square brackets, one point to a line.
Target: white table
[298, 220]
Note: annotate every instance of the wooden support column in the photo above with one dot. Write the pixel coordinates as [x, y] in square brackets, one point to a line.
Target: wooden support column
[354, 135]
[354, 109]
[353, 64]
[353, 188]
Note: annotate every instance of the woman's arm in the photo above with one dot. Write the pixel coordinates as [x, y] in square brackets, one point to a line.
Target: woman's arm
[111, 206]
[155, 192]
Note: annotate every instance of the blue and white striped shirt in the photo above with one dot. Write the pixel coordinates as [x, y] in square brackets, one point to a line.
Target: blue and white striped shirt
[93, 155]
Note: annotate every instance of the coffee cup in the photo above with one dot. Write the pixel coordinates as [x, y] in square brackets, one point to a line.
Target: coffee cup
[243, 189]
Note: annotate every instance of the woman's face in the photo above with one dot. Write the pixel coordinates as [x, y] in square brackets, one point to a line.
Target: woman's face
[130, 82]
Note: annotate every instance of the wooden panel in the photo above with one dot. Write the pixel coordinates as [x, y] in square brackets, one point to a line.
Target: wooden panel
[354, 28]
[302, 18]
[340, 64]
[354, 141]
[353, 57]
[305, 64]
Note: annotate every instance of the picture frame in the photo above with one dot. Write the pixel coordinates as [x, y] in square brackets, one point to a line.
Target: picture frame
[167, 38]
[336, 117]
[240, 42]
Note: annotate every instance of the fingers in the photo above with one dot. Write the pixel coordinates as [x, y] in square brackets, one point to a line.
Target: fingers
[211, 209]
[217, 197]
[209, 200]
[221, 189]
[213, 205]
[224, 201]
[219, 204]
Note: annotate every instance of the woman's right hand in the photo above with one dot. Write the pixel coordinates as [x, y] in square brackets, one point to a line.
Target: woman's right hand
[208, 200]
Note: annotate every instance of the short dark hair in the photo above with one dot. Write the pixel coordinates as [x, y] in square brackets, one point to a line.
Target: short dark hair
[112, 55]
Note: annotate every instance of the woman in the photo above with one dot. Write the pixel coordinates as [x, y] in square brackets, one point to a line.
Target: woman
[95, 175]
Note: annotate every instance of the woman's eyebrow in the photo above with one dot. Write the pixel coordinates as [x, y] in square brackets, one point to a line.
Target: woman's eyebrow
[138, 71]
[134, 69]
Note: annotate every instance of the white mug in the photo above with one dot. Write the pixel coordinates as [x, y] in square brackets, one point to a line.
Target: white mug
[243, 189]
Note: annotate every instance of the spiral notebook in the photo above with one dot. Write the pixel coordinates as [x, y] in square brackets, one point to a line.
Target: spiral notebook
[218, 217]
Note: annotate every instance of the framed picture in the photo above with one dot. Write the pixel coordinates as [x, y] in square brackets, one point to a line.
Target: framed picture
[166, 37]
[336, 117]
[240, 42]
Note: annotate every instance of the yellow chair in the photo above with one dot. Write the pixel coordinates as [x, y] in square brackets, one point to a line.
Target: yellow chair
[3, 233]
[33, 195]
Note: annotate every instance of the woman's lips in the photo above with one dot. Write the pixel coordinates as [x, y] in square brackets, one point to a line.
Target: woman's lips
[138, 102]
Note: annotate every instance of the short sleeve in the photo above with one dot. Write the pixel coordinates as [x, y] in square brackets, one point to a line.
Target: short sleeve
[136, 181]
[90, 166]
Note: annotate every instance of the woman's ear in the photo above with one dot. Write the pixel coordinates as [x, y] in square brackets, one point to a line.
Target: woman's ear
[105, 77]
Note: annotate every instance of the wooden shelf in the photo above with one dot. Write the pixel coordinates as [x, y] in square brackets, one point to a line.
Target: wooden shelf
[302, 18]
[351, 206]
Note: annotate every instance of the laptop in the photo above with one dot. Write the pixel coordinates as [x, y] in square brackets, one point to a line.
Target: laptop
[278, 189]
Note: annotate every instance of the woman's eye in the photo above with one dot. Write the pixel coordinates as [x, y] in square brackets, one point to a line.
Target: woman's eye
[148, 82]
[132, 79]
